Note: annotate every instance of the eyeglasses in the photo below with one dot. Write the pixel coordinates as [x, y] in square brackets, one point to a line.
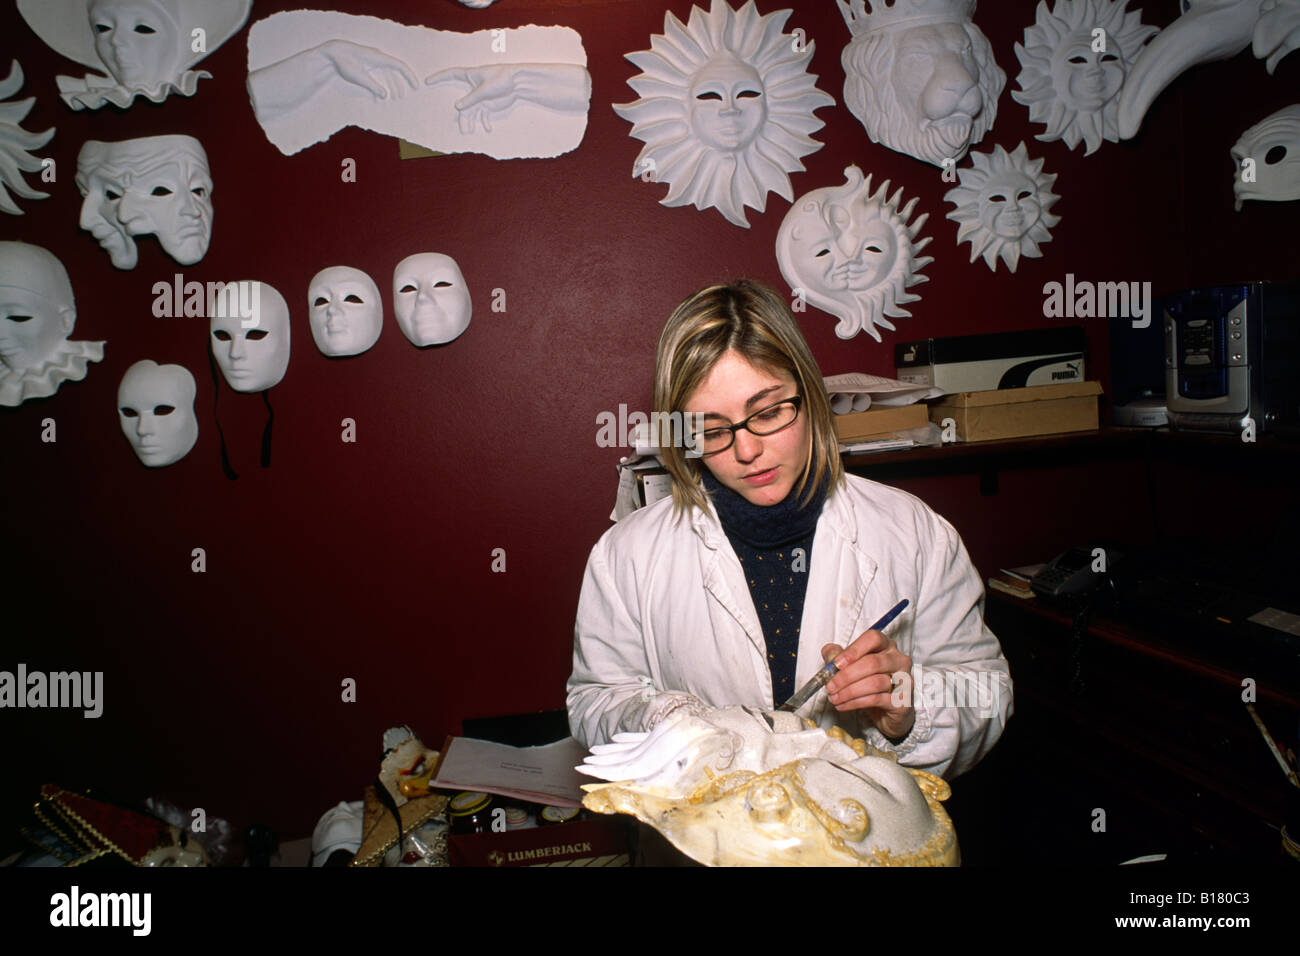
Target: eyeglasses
[764, 422]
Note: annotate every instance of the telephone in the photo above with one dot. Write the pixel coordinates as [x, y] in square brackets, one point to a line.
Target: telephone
[1074, 572]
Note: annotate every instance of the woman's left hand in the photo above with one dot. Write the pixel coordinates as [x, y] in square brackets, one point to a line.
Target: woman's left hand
[866, 682]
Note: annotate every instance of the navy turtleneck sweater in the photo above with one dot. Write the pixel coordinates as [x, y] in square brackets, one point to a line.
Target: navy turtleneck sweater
[774, 545]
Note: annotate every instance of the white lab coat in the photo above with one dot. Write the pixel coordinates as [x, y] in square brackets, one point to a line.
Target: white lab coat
[665, 611]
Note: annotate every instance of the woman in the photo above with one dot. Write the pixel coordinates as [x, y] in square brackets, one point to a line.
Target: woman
[770, 559]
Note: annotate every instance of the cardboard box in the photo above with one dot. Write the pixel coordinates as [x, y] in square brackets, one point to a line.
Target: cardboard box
[1001, 360]
[857, 426]
[1020, 412]
[599, 841]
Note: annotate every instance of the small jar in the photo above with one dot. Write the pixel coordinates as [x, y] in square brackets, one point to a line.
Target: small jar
[551, 816]
[470, 812]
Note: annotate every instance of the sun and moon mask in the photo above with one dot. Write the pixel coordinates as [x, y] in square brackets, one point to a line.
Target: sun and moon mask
[1071, 75]
[726, 109]
[853, 253]
[1003, 206]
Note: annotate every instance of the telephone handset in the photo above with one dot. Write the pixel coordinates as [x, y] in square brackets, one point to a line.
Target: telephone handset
[1075, 572]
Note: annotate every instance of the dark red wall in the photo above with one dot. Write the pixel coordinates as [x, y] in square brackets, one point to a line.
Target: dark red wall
[372, 560]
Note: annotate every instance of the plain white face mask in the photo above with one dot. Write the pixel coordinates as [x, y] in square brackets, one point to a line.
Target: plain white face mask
[430, 298]
[345, 310]
[253, 352]
[155, 404]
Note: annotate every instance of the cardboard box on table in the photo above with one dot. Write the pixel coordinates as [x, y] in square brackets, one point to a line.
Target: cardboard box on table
[1019, 412]
[598, 841]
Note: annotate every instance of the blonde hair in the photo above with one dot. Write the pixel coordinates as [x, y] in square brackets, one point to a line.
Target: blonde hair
[751, 319]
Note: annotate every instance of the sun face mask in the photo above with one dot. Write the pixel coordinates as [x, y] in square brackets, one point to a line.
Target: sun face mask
[16, 144]
[345, 310]
[155, 405]
[920, 76]
[430, 299]
[1002, 206]
[1266, 159]
[853, 253]
[1066, 83]
[37, 314]
[725, 110]
[252, 352]
[146, 47]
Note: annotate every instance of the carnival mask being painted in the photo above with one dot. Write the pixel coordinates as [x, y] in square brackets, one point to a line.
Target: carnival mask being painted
[155, 405]
[145, 46]
[1002, 206]
[1273, 144]
[1071, 78]
[430, 298]
[725, 110]
[37, 314]
[738, 787]
[345, 311]
[252, 352]
[920, 76]
[159, 185]
[853, 253]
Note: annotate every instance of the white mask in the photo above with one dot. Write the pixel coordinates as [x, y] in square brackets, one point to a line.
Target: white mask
[255, 358]
[1066, 83]
[430, 298]
[1273, 144]
[345, 310]
[853, 253]
[1277, 33]
[170, 196]
[920, 76]
[37, 313]
[1207, 30]
[101, 179]
[147, 47]
[17, 143]
[155, 404]
[726, 110]
[1002, 206]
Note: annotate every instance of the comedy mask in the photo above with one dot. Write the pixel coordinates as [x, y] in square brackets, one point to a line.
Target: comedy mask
[155, 404]
[853, 253]
[1266, 159]
[345, 310]
[920, 76]
[146, 47]
[252, 351]
[1002, 206]
[738, 787]
[430, 298]
[37, 313]
[1071, 75]
[725, 110]
[16, 144]
[158, 185]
